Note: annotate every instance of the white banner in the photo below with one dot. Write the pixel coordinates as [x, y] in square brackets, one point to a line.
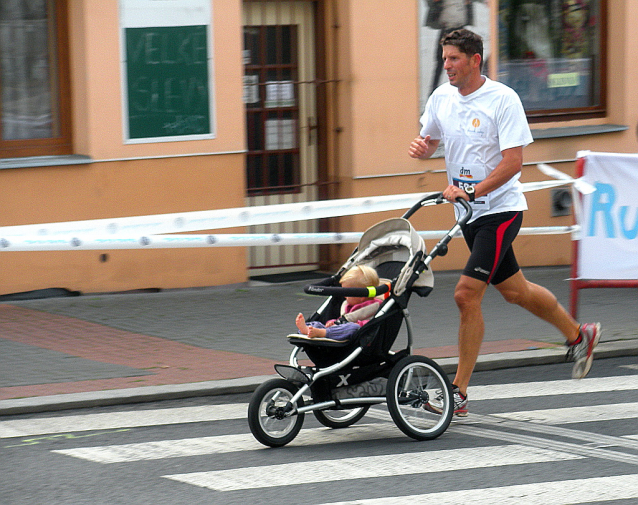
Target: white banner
[608, 246]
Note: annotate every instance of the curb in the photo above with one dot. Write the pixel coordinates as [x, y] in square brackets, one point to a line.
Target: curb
[613, 349]
[38, 404]
[549, 356]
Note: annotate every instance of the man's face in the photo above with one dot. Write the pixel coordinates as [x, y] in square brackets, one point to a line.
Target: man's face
[459, 67]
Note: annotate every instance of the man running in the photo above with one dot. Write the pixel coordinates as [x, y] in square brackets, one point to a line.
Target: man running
[483, 126]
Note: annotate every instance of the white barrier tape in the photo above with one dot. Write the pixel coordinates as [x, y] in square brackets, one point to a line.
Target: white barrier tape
[174, 241]
[535, 186]
[217, 219]
[221, 240]
[577, 185]
[227, 218]
[584, 187]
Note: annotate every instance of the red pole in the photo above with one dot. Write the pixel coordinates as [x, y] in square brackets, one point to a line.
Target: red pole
[574, 283]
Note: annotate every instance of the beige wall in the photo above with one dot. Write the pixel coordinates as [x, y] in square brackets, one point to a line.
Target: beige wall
[384, 83]
[372, 115]
[119, 189]
[97, 78]
[128, 180]
[622, 67]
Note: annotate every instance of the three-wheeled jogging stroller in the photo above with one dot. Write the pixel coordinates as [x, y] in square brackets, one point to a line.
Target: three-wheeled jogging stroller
[347, 377]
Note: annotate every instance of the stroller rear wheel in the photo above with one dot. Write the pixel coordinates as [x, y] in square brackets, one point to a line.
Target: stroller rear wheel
[340, 418]
[419, 398]
[269, 417]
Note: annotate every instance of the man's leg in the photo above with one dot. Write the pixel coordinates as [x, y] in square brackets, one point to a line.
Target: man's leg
[581, 339]
[488, 238]
[539, 301]
[468, 296]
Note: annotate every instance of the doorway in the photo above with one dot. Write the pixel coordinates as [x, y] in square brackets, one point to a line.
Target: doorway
[280, 94]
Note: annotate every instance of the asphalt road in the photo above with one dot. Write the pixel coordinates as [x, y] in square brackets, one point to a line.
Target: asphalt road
[532, 435]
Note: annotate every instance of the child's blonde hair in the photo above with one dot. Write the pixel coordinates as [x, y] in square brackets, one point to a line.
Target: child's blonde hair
[361, 274]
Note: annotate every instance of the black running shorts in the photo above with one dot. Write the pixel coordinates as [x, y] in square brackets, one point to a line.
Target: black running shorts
[490, 240]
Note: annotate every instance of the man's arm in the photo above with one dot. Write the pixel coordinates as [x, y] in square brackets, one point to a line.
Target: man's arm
[510, 165]
[422, 148]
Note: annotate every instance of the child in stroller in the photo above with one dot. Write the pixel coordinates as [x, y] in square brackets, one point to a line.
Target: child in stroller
[355, 310]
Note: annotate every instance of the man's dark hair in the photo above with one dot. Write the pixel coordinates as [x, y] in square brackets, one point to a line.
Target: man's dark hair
[466, 41]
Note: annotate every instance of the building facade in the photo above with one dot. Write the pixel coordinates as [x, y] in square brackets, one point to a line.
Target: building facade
[116, 108]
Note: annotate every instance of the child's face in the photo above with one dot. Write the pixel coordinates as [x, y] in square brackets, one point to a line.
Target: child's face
[352, 283]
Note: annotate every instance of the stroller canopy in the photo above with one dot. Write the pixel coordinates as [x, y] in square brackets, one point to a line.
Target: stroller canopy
[393, 240]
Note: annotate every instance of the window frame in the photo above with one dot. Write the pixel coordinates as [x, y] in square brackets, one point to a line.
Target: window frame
[62, 143]
[589, 112]
[282, 163]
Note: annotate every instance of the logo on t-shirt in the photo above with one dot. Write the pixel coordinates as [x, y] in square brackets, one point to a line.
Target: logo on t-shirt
[475, 129]
[465, 172]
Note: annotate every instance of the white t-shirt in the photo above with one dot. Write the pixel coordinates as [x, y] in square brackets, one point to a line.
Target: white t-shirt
[474, 130]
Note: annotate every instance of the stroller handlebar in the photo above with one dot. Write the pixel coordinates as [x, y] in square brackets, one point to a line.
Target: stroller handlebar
[468, 211]
[436, 199]
[368, 292]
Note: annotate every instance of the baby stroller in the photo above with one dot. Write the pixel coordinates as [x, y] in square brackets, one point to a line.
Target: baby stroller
[347, 377]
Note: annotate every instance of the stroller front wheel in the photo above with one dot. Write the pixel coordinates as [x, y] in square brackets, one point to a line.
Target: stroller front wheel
[269, 413]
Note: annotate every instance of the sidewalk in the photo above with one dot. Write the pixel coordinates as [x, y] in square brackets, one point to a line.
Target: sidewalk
[89, 350]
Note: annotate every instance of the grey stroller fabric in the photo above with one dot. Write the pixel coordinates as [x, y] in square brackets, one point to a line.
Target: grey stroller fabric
[392, 240]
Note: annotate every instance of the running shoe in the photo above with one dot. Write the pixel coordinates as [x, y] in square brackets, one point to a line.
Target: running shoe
[460, 403]
[582, 352]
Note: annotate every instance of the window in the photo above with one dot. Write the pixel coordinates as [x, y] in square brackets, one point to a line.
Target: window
[34, 79]
[552, 53]
[272, 109]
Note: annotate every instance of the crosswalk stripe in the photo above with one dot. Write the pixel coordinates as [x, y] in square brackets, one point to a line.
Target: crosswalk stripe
[544, 443]
[566, 492]
[163, 449]
[128, 419]
[549, 388]
[598, 439]
[368, 467]
[201, 446]
[569, 415]
[158, 417]
[220, 444]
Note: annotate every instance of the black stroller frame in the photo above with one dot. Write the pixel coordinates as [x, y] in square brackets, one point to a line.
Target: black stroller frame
[348, 377]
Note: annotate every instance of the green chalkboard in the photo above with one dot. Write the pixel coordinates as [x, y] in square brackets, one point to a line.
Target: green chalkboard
[167, 81]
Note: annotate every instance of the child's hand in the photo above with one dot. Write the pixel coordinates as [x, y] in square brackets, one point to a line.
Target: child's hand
[330, 323]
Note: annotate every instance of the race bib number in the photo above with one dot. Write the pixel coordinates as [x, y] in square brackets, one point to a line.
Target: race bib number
[466, 175]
